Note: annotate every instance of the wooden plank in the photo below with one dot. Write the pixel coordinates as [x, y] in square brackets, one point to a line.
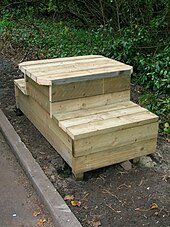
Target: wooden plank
[20, 83]
[39, 97]
[116, 84]
[41, 88]
[82, 75]
[76, 90]
[70, 66]
[55, 70]
[115, 139]
[100, 117]
[95, 110]
[115, 155]
[67, 70]
[90, 88]
[90, 102]
[58, 139]
[108, 125]
[65, 59]
[16, 96]
[49, 70]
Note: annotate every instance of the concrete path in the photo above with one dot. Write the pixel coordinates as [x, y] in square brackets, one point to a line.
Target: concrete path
[18, 199]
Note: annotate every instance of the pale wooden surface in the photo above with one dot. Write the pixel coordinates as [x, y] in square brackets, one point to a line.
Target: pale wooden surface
[42, 121]
[115, 155]
[90, 102]
[67, 70]
[90, 88]
[106, 121]
[20, 83]
[115, 139]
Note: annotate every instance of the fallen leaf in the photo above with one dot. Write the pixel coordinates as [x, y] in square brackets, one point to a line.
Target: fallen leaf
[153, 206]
[75, 203]
[96, 223]
[168, 139]
[40, 222]
[68, 197]
[166, 177]
[35, 213]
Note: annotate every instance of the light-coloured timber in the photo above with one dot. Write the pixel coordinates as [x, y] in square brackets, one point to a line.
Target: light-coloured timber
[82, 107]
[20, 83]
[90, 88]
[40, 88]
[82, 75]
[90, 102]
[107, 141]
[75, 69]
[107, 125]
[77, 90]
[93, 110]
[58, 139]
[37, 95]
[70, 66]
[54, 60]
[115, 155]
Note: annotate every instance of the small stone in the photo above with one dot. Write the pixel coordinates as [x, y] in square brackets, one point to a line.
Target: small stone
[53, 180]
[48, 171]
[54, 161]
[127, 165]
[136, 160]
[147, 162]
[157, 157]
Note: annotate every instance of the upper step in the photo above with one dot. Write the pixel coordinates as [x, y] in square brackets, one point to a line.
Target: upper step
[73, 69]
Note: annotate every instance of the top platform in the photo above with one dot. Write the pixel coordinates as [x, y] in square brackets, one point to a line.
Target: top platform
[73, 69]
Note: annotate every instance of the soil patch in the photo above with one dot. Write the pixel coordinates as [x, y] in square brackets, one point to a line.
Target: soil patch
[109, 196]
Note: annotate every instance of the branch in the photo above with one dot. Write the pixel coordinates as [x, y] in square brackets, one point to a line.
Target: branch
[22, 2]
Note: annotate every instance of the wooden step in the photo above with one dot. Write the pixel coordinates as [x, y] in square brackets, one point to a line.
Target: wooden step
[73, 69]
[107, 120]
[20, 83]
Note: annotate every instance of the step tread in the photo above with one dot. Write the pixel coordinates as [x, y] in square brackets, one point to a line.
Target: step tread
[104, 119]
[73, 69]
[20, 83]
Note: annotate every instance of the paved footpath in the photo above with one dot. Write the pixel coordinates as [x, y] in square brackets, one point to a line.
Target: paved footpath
[18, 200]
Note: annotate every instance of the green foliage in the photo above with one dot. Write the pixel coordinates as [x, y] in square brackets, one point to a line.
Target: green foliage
[53, 39]
[143, 45]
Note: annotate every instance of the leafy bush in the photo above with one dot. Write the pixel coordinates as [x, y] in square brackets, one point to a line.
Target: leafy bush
[143, 46]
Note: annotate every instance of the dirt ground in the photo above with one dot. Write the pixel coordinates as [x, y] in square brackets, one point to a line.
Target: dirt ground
[109, 196]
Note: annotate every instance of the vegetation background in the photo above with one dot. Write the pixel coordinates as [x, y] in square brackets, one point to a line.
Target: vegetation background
[135, 32]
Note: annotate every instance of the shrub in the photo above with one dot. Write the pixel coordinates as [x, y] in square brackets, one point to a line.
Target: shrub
[142, 46]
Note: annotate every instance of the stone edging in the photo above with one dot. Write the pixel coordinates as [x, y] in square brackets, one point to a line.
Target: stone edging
[60, 212]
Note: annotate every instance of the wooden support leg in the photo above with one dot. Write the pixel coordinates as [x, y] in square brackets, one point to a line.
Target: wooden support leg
[127, 165]
[79, 176]
[16, 97]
